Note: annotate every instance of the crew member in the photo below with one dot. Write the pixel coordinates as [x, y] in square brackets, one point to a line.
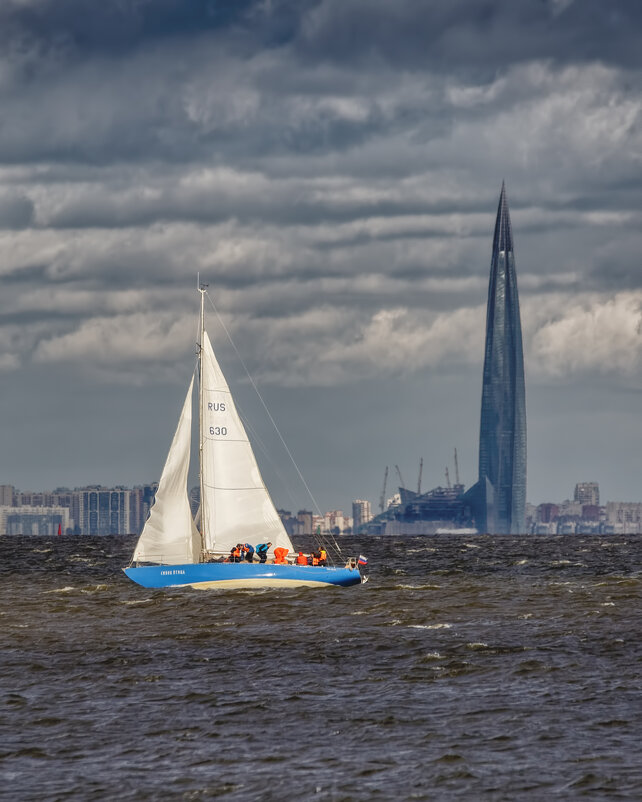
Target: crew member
[323, 557]
[235, 554]
[262, 551]
[248, 550]
[280, 554]
[301, 559]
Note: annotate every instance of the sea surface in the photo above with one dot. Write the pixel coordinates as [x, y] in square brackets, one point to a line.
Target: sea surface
[467, 667]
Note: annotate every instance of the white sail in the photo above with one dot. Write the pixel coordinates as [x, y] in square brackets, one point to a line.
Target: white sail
[236, 506]
[169, 535]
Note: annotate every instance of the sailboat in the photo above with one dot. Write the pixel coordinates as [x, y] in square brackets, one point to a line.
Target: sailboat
[235, 507]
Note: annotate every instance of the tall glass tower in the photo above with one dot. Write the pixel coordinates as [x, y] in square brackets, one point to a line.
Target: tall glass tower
[498, 499]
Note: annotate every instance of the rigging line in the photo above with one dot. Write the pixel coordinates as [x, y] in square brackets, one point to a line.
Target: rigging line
[267, 411]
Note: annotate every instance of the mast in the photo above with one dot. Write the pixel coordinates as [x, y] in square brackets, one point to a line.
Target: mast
[202, 290]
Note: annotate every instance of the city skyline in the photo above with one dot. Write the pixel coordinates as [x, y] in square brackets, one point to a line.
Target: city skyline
[332, 174]
[98, 511]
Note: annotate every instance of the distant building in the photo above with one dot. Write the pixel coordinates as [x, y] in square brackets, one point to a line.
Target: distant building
[305, 518]
[92, 510]
[361, 512]
[569, 509]
[104, 511]
[28, 520]
[624, 516]
[440, 510]
[6, 495]
[141, 500]
[587, 493]
[591, 512]
[545, 529]
[334, 522]
[547, 513]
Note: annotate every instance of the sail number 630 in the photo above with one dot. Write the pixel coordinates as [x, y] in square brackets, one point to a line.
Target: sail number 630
[218, 430]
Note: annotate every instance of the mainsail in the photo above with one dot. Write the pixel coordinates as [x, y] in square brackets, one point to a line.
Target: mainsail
[169, 535]
[236, 506]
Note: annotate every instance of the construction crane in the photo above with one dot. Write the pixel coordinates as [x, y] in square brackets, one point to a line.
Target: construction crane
[447, 478]
[382, 498]
[421, 468]
[456, 469]
[403, 484]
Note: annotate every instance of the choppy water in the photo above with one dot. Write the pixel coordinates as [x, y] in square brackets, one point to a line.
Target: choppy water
[467, 668]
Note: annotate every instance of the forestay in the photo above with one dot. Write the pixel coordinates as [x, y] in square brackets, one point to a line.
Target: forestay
[236, 506]
[169, 535]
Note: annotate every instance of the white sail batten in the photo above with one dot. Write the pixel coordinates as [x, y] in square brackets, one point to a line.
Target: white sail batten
[170, 535]
[236, 506]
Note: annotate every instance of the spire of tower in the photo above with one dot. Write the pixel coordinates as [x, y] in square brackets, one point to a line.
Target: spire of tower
[503, 239]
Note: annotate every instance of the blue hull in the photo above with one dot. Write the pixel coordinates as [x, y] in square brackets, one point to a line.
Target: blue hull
[241, 575]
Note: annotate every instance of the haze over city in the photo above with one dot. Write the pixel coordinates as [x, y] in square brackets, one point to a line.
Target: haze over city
[332, 170]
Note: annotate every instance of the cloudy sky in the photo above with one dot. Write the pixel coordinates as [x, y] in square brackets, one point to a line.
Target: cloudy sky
[332, 169]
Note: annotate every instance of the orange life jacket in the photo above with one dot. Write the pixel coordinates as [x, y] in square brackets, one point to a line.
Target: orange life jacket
[301, 559]
[324, 555]
[315, 560]
[279, 555]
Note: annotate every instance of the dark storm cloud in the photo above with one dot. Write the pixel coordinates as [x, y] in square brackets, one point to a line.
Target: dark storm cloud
[183, 103]
[109, 82]
[465, 35]
[615, 193]
[16, 211]
[115, 26]
[442, 33]
[617, 266]
[31, 274]
[130, 80]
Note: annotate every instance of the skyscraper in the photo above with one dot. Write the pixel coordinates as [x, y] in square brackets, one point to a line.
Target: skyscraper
[498, 500]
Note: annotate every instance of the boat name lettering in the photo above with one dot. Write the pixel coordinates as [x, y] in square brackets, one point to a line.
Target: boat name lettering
[216, 407]
[173, 571]
[218, 430]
